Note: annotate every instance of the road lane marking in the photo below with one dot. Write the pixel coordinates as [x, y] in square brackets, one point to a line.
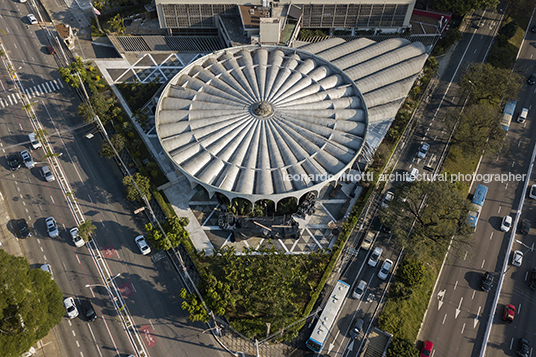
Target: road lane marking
[465, 256]
[519, 308]
[499, 210]
[474, 291]
[526, 275]
[74, 334]
[444, 318]
[455, 284]
[463, 328]
[475, 322]
[506, 186]
[42, 249]
[513, 163]
[491, 235]
[45, 257]
[482, 263]
[77, 344]
[458, 309]
[69, 321]
[511, 343]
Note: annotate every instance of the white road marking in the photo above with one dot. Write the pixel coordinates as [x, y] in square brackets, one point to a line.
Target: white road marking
[483, 263]
[45, 257]
[77, 344]
[499, 211]
[472, 297]
[74, 334]
[526, 275]
[506, 186]
[463, 328]
[491, 235]
[444, 318]
[42, 249]
[465, 256]
[519, 308]
[69, 321]
[511, 343]
[455, 284]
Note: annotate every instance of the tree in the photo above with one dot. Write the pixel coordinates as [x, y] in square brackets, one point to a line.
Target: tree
[175, 232]
[117, 24]
[86, 229]
[143, 183]
[490, 84]
[462, 7]
[402, 347]
[30, 305]
[194, 307]
[101, 106]
[118, 141]
[411, 272]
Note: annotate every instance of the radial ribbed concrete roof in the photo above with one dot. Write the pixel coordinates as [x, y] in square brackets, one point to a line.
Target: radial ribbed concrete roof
[242, 120]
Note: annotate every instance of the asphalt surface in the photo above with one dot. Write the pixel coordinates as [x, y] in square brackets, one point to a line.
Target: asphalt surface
[148, 284]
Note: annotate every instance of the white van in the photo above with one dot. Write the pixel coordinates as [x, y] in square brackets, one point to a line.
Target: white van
[34, 142]
[523, 116]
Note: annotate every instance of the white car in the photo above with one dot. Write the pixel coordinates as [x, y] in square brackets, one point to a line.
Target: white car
[506, 223]
[27, 159]
[367, 241]
[375, 257]
[142, 244]
[423, 150]
[388, 198]
[412, 176]
[70, 306]
[386, 268]
[32, 19]
[360, 290]
[46, 267]
[77, 240]
[52, 227]
[517, 259]
[532, 192]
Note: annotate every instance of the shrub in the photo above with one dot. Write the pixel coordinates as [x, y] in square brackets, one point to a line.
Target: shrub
[411, 272]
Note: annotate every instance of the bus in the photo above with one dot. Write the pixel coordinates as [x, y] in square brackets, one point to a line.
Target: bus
[328, 316]
[508, 113]
[476, 205]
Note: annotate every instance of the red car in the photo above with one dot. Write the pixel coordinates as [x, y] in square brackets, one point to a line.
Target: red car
[427, 349]
[509, 313]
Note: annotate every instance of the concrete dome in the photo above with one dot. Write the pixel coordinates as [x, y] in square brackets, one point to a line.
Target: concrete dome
[262, 122]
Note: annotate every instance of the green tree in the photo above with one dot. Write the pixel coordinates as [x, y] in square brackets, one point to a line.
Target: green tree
[402, 347]
[411, 272]
[30, 305]
[490, 84]
[462, 7]
[86, 229]
[101, 106]
[143, 184]
[117, 24]
[194, 307]
[118, 141]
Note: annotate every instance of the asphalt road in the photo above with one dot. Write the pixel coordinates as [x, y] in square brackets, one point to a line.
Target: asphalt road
[148, 284]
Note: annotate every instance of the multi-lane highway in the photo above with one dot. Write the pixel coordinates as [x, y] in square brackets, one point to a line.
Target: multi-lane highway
[148, 284]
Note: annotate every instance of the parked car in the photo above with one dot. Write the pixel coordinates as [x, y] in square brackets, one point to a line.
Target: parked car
[389, 195]
[386, 268]
[423, 150]
[509, 313]
[142, 245]
[46, 267]
[360, 290]
[532, 281]
[88, 310]
[375, 257]
[51, 50]
[412, 176]
[31, 18]
[13, 161]
[524, 348]
[517, 259]
[52, 227]
[77, 240]
[47, 174]
[27, 159]
[356, 331]
[22, 227]
[426, 350]
[523, 115]
[487, 281]
[532, 192]
[34, 143]
[367, 241]
[70, 307]
[532, 79]
[506, 223]
[525, 226]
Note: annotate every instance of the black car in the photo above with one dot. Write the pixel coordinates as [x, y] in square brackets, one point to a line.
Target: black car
[532, 281]
[354, 333]
[532, 79]
[89, 312]
[525, 226]
[13, 161]
[487, 281]
[24, 230]
[524, 348]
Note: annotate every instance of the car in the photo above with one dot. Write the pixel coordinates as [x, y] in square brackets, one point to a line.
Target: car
[532, 281]
[426, 350]
[22, 227]
[367, 241]
[13, 161]
[52, 227]
[356, 331]
[70, 307]
[523, 115]
[525, 226]
[532, 192]
[412, 176]
[47, 174]
[31, 18]
[142, 244]
[423, 150]
[524, 348]
[88, 310]
[506, 223]
[487, 281]
[375, 257]
[386, 268]
[517, 259]
[27, 159]
[509, 313]
[51, 50]
[34, 143]
[388, 198]
[532, 79]
[77, 240]
[360, 290]
[46, 267]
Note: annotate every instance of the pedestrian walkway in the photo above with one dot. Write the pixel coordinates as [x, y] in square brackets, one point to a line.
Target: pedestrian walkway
[32, 92]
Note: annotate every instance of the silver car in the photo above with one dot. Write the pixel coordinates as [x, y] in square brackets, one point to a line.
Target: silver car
[77, 240]
[142, 245]
[27, 159]
[517, 259]
[52, 227]
[375, 257]
[70, 307]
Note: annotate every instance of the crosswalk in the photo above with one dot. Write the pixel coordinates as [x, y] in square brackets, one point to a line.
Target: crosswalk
[35, 91]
